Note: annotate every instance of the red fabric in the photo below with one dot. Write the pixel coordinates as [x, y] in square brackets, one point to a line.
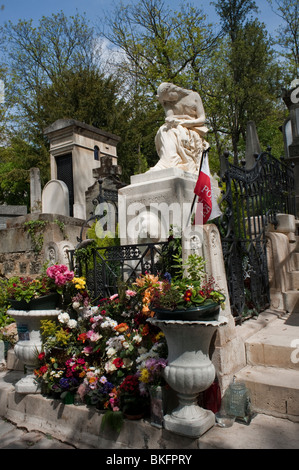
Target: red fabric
[203, 191]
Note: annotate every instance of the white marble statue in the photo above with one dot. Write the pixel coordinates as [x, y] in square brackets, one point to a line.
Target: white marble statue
[180, 140]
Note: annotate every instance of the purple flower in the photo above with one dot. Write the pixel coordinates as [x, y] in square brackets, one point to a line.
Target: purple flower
[66, 383]
[155, 365]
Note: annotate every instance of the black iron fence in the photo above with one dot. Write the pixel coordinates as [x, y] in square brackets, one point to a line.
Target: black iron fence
[251, 200]
[105, 267]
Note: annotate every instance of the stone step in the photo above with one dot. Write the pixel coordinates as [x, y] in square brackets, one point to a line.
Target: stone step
[273, 391]
[291, 301]
[276, 345]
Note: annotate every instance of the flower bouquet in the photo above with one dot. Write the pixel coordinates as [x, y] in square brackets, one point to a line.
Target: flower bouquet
[132, 402]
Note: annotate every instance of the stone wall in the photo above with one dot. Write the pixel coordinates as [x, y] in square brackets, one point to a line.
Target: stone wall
[8, 213]
[23, 253]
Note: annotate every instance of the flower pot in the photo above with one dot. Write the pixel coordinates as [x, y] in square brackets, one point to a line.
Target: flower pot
[30, 344]
[189, 371]
[45, 302]
[208, 311]
[68, 398]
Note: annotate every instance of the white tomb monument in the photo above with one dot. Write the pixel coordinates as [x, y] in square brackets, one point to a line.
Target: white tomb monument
[55, 198]
[163, 196]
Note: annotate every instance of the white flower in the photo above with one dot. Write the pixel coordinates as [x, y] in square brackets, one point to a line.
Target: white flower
[72, 324]
[110, 367]
[111, 352]
[109, 323]
[76, 305]
[137, 339]
[64, 317]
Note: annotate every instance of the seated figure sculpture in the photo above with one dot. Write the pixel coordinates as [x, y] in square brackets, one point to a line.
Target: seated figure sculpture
[180, 140]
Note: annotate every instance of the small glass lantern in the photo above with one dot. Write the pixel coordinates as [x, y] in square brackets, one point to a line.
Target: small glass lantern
[237, 402]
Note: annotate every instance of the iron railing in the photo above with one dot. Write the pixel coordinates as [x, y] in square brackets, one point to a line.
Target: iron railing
[251, 200]
[107, 266]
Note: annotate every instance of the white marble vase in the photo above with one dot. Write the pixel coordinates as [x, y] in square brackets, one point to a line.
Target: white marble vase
[189, 372]
[29, 344]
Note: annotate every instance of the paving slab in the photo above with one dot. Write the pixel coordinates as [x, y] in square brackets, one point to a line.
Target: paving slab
[12, 437]
[264, 432]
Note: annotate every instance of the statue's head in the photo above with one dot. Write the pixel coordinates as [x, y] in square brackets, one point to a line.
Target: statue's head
[167, 92]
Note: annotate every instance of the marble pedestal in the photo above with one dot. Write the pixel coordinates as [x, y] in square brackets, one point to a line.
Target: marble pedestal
[153, 202]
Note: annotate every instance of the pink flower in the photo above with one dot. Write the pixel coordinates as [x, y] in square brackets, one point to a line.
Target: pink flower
[130, 293]
[87, 350]
[114, 296]
[92, 335]
[60, 274]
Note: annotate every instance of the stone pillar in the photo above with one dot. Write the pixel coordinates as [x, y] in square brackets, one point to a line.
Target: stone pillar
[252, 145]
[35, 191]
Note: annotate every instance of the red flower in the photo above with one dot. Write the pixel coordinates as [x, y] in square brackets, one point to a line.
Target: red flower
[145, 330]
[118, 362]
[41, 356]
[82, 337]
[187, 296]
[41, 371]
[130, 385]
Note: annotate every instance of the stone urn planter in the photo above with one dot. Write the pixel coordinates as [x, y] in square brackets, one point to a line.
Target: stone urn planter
[29, 344]
[189, 372]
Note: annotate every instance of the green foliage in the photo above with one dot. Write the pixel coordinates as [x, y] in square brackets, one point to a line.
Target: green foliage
[113, 419]
[16, 159]
[35, 229]
[96, 233]
[52, 71]
[161, 44]
[287, 37]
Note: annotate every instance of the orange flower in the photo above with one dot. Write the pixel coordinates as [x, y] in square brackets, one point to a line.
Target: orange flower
[121, 328]
[146, 279]
[145, 330]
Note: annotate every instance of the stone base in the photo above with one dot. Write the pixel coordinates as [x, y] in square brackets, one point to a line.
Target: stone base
[27, 384]
[193, 428]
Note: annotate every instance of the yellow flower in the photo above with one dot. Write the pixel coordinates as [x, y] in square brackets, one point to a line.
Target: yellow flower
[144, 376]
[79, 282]
[159, 335]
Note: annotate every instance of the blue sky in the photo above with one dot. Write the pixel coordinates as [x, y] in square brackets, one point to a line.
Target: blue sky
[35, 9]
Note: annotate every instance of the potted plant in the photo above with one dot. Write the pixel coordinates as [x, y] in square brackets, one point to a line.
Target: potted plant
[132, 402]
[190, 295]
[36, 300]
[40, 293]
